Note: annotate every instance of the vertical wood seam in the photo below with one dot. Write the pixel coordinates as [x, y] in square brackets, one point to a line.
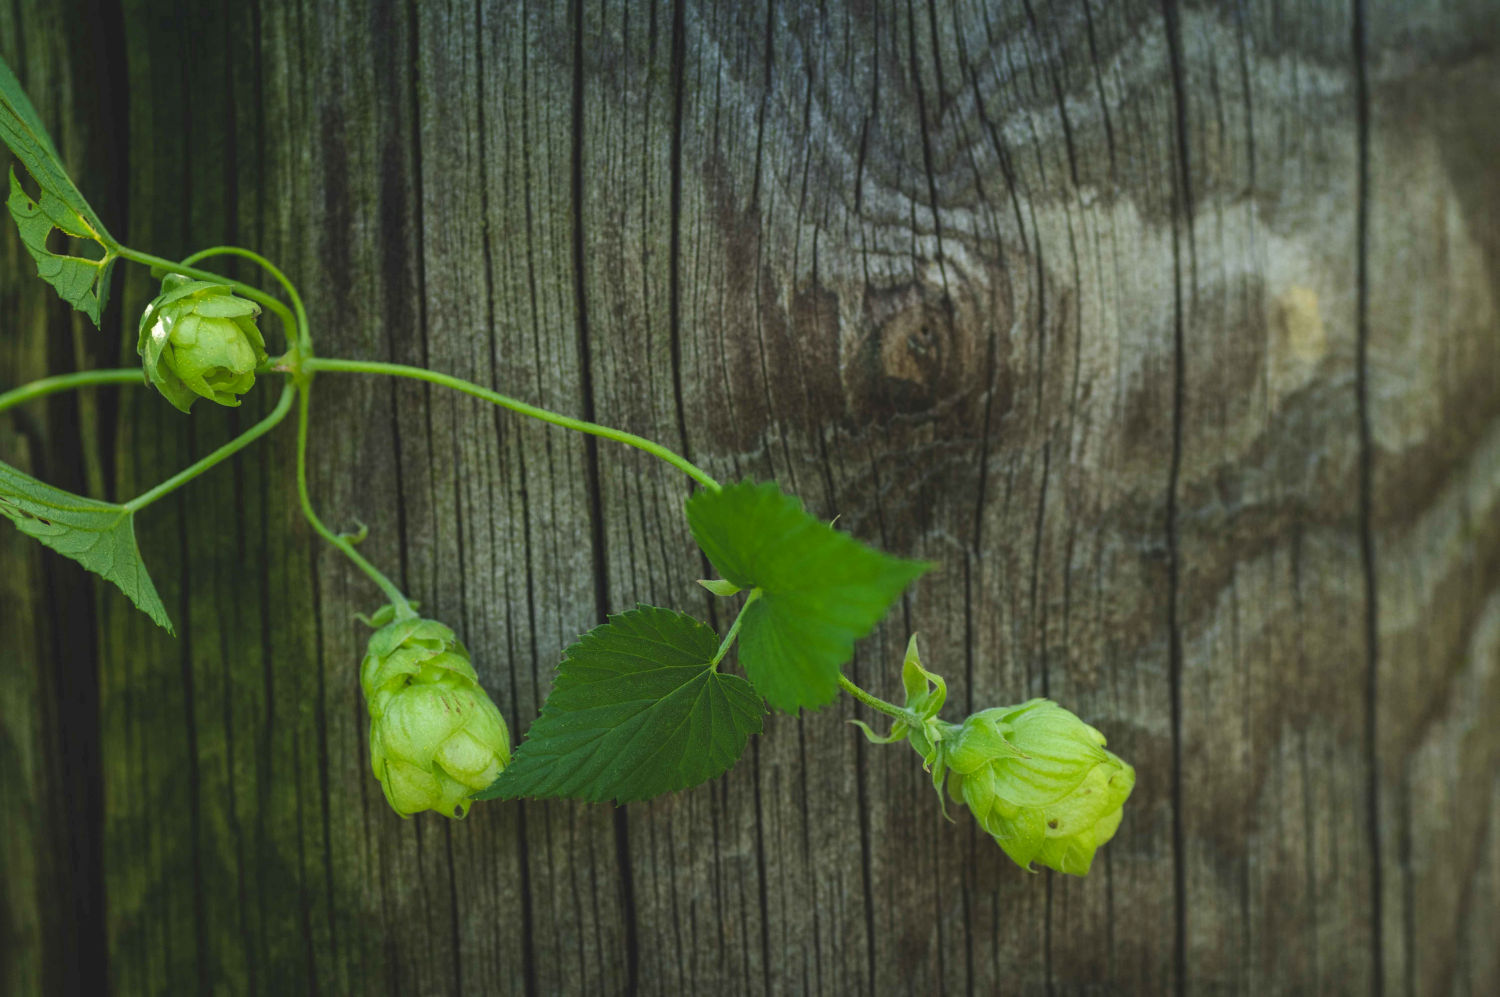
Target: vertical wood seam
[1366, 503]
[523, 856]
[1182, 189]
[591, 449]
[185, 655]
[674, 223]
[419, 260]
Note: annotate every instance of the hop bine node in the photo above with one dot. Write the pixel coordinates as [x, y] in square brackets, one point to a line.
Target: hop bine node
[436, 737]
[198, 340]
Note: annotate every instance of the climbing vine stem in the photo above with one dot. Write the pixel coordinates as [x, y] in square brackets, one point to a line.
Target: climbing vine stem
[240, 442]
[248, 290]
[682, 464]
[67, 382]
[394, 594]
[300, 329]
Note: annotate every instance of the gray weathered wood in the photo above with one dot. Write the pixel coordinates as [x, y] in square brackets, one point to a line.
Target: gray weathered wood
[1169, 331]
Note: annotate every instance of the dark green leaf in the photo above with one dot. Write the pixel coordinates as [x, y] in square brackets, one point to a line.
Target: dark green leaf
[80, 281]
[98, 535]
[637, 711]
[819, 590]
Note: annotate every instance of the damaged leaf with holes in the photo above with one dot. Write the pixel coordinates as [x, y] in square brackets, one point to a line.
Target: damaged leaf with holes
[80, 280]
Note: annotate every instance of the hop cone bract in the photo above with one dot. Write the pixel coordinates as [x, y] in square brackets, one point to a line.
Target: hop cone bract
[436, 737]
[1040, 781]
[198, 340]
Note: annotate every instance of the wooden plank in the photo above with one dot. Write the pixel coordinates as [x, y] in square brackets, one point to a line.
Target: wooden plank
[1270, 599]
[1168, 332]
[495, 142]
[49, 737]
[695, 894]
[1433, 417]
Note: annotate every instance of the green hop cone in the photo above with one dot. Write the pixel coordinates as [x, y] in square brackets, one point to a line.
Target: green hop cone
[1040, 782]
[197, 340]
[436, 737]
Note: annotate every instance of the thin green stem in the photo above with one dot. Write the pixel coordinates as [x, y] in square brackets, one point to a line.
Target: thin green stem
[249, 436]
[303, 334]
[395, 595]
[253, 293]
[734, 631]
[876, 703]
[515, 405]
[66, 382]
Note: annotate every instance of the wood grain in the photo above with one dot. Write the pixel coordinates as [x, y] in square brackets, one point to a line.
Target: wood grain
[1169, 331]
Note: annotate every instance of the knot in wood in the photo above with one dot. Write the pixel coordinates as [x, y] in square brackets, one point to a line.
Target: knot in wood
[917, 354]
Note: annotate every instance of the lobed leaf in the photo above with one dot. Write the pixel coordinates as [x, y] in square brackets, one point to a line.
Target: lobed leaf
[637, 711]
[818, 590]
[98, 535]
[80, 281]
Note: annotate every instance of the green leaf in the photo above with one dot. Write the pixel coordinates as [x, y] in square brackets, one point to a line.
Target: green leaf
[98, 535]
[819, 590]
[80, 281]
[637, 711]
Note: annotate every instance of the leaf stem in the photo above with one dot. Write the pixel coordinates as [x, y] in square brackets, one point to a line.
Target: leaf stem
[255, 432]
[878, 704]
[394, 594]
[515, 405]
[734, 631]
[65, 382]
[301, 331]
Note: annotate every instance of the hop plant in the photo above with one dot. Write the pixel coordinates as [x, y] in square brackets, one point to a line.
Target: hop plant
[436, 737]
[198, 340]
[1040, 782]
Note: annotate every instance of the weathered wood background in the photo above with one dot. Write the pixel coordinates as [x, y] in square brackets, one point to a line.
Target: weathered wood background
[1169, 330]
